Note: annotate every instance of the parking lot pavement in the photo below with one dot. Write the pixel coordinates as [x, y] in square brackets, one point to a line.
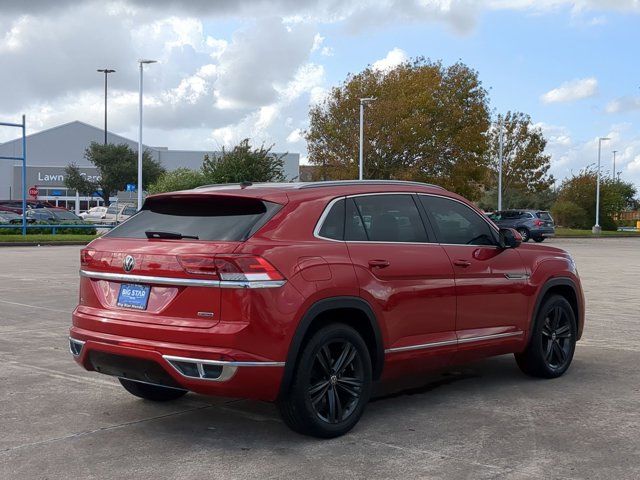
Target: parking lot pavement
[484, 420]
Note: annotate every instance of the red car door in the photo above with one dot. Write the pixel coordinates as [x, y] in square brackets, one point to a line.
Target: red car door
[491, 282]
[408, 280]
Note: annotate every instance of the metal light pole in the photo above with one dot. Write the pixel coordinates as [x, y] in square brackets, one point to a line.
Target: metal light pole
[106, 72]
[500, 155]
[596, 228]
[614, 164]
[141, 62]
[363, 101]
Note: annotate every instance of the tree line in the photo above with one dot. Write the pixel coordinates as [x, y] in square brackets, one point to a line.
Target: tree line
[429, 123]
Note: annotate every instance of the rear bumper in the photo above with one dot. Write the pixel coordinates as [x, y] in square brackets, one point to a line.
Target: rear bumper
[205, 370]
[543, 232]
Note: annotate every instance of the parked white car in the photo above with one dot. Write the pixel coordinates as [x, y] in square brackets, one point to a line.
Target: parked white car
[119, 212]
[94, 214]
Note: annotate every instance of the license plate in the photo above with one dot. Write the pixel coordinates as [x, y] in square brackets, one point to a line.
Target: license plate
[133, 296]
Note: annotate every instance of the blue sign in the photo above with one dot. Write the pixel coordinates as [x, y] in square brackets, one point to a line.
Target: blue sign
[56, 193]
[131, 187]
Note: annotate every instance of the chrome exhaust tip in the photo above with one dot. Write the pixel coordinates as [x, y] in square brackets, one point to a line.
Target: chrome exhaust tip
[75, 346]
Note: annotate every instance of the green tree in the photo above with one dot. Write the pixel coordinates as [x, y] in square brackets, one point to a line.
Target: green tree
[525, 166]
[178, 179]
[428, 123]
[580, 189]
[244, 163]
[117, 165]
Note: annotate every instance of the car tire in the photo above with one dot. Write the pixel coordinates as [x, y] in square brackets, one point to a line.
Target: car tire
[553, 340]
[538, 239]
[524, 233]
[155, 393]
[331, 384]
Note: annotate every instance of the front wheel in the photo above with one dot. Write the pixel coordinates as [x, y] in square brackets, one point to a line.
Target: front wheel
[524, 233]
[155, 393]
[553, 340]
[331, 384]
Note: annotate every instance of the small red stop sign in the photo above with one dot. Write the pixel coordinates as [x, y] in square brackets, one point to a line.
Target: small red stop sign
[33, 191]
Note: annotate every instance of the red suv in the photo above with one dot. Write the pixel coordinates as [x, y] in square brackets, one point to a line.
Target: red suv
[306, 294]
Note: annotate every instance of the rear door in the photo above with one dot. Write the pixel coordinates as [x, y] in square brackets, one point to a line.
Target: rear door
[406, 276]
[165, 279]
[490, 281]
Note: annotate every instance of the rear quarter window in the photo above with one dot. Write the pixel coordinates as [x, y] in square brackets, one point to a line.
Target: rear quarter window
[222, 218]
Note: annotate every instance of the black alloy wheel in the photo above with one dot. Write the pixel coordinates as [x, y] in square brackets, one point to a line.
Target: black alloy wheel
[331, 383]
[557, 342]
[553, 340]
[336, 383]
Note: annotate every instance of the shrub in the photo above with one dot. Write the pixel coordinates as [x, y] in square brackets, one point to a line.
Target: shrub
[568, 214]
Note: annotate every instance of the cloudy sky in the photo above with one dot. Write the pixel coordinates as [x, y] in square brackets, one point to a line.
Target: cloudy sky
[232, 69]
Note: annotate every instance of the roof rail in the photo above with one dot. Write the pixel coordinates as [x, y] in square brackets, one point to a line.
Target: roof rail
[338, 183]
[211, 185]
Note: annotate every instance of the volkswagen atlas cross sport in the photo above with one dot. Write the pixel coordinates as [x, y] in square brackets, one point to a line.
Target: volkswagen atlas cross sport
[306, 294]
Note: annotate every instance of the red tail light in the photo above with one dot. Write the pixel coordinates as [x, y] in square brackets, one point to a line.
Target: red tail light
[538, 223]
[86, 256]
[231, 267]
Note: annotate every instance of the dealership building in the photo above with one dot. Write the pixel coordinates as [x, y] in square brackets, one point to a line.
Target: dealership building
[50, 151]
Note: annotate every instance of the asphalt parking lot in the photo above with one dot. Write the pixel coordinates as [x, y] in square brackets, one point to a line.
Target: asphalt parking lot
[485, 420]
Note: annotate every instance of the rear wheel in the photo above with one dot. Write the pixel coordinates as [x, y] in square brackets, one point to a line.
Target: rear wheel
[524, 233]
[553, 340]
[155, 393]
[538, 239]
[331, 384]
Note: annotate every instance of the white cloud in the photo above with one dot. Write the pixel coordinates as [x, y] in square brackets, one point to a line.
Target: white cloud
[394, 58]
[572, 90]
[623, 105]
[295, 136]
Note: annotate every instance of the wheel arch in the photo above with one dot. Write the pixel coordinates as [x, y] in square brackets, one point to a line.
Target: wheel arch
[353, 311]
[565, 287]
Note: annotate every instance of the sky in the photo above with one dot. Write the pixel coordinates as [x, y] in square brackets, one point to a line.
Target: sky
[252, 68]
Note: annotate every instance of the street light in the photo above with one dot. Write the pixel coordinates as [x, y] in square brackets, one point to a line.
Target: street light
[141, 62]
[596, 228]
[614, 164]
[106, 72]
[363, 101]
[500, 155]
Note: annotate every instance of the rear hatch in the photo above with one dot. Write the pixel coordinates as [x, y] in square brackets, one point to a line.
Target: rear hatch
[545, 218]
[163, 266]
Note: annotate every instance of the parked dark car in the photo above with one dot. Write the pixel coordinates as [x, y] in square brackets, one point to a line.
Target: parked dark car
[307, 293]
[535, 224]
[16, 205]
[53, 215]
[7, 216]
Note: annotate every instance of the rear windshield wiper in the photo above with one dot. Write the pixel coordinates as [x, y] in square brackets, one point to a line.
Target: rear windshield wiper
[168, 235]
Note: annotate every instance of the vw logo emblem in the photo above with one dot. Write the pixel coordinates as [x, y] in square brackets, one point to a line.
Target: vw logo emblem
[128, 263]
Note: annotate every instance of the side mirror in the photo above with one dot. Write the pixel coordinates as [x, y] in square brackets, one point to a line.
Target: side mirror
[509, 238]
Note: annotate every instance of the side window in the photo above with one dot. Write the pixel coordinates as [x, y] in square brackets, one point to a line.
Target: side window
[129, 211]
[353, 225]
[391, 218]
[333, 225]
[455, 223]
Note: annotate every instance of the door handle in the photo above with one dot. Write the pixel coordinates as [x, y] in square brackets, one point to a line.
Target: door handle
[379, 263]
[462, 263]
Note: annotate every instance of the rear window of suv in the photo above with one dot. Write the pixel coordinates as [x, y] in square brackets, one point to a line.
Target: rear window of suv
[221, 218]
[544, 216]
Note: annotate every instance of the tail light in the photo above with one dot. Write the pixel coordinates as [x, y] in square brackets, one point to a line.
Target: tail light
[86, 256]
[232, 268]
[538, 223]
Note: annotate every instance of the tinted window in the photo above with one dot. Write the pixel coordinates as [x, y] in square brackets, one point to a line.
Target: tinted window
[66, 215]
[213, 218]
[391, 218]
[113, 209]
[455, 223]
[129, 211]
[333, 225]
[353, 224]
[544, 216]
